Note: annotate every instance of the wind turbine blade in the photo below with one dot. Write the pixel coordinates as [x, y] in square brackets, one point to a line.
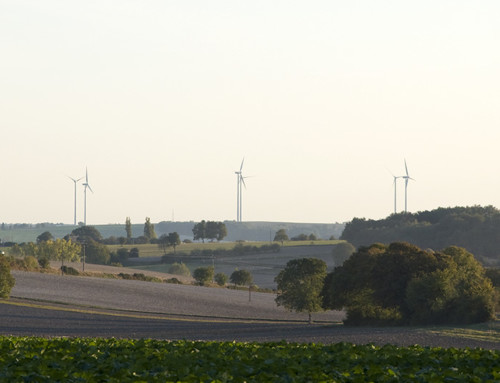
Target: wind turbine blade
[243, 181]
[241, 167]
[406, 167]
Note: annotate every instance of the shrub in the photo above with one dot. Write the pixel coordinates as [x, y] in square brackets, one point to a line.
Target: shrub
[241, 277]
[203, 275]
[7, 281]
[173, 280]
[69, 270]
[31, 262]
[44, 262]
[372, 315]
[179, 269]
[220, 279]
[134, 252]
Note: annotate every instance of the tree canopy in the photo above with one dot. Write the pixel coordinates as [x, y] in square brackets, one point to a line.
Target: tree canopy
[45, 236]
[85, 233]
[241, 278]
[403, 284]
[299, 285]
[281, 236]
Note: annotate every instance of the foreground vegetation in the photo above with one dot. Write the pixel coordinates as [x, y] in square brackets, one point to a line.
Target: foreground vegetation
[112, 360]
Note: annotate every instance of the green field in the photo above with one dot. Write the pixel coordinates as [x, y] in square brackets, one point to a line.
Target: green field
[113, 360]
[149, 250]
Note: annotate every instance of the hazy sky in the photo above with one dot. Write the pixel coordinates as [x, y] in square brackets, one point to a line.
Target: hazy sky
[162, 99]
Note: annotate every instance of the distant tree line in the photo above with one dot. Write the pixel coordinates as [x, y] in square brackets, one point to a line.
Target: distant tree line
[475, 228]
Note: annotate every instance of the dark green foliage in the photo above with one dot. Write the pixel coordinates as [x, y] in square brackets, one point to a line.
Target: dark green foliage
[69, 270]
[97, 253]
[209, 230]
[402, 284]
[121, 256]
[44, 237]
[241, 277]
[147, 360]
[220, 279]
[458, 294]
[200, 231]
[44, 262]
[493, 273]
[134, 252]
[7, 281]
[87, 233]
[203, 275]
[299, 285]
[475, 228]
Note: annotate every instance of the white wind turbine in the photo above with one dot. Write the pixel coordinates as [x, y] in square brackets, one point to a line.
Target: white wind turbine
[407, 178]
[86, 186]
[238, 191]
[75, 181]
[240, 180]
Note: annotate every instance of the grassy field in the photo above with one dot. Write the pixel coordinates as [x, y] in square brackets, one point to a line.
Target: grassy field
[263, 266]
[149, 250]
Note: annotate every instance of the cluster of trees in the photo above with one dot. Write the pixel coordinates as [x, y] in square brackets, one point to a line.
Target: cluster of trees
[47, 250]
[398, 284]
[210, 230]
[282, 236]
[205, 274]
[475, 228]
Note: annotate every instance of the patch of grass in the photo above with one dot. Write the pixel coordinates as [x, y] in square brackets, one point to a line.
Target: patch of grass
[484, 331]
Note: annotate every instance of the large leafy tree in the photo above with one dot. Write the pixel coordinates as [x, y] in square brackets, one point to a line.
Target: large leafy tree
[281, 236]
[241, 278]
[299, 285]
[174, 240]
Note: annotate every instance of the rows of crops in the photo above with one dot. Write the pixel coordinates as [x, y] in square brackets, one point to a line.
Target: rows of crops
[112, 360]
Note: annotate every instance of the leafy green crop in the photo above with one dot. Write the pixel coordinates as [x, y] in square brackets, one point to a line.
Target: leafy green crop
[27, 359]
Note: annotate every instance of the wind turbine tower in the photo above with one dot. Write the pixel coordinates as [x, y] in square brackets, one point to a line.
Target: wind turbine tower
[407, 178]
[86, 186]
[240, 180]
[238, 192]
[75, 181]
